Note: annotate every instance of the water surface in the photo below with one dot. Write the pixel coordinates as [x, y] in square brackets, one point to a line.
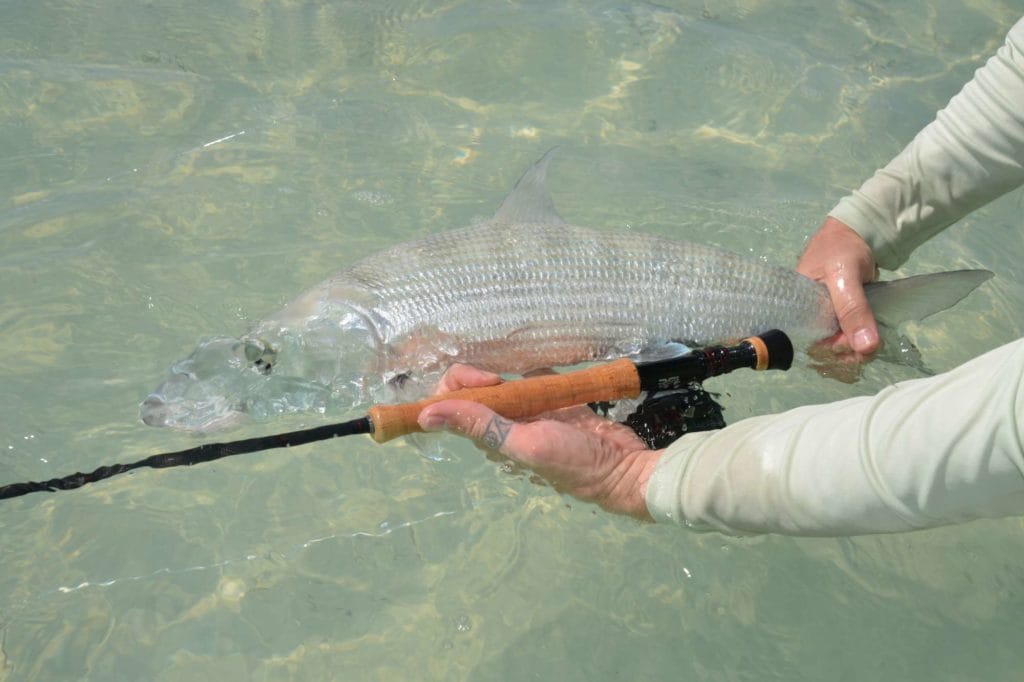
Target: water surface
[170, 172]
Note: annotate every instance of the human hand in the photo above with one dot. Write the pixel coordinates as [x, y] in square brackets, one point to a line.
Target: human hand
[575, 450]
[840, 259]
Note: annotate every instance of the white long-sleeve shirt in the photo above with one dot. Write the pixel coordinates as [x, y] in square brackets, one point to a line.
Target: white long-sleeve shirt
[921, 453]
[972, 153]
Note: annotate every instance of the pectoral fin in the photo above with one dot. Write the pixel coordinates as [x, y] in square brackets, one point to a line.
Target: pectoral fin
[661, 351]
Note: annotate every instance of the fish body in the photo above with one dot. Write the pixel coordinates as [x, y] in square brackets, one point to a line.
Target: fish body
[522, 291]
[512, 297]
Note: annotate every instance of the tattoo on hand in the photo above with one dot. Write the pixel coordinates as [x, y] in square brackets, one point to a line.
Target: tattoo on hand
[496, 432]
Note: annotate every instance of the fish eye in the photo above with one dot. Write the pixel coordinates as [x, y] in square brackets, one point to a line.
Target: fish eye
[398, 379]
[252, 352]
[259, 355]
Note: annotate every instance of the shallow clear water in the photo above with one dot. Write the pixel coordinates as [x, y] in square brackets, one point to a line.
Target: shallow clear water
[170, 172]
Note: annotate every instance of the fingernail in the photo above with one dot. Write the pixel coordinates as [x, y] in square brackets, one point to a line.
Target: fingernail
[862, 338]
[433, 422]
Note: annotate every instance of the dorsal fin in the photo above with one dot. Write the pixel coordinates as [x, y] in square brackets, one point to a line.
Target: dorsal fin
[529, 201]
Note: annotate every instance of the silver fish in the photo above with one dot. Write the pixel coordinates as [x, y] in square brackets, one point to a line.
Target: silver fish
[521, 291]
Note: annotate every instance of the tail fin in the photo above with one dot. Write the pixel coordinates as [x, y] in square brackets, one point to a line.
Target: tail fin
[915, 298]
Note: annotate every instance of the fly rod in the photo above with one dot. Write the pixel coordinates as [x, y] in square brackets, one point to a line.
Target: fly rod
[513, 399]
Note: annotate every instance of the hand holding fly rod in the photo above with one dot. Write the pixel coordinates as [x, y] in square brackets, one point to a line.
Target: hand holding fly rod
[479, 394]
[574, 449]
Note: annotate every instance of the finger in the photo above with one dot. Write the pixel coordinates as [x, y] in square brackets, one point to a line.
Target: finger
[472, 420]
[838, 256]
[465, 376]
[854, 313]
[464, 418]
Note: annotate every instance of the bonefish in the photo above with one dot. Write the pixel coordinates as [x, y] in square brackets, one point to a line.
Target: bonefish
[521, 291]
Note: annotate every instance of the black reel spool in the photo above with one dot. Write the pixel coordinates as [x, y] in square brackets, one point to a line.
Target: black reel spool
[663, 418]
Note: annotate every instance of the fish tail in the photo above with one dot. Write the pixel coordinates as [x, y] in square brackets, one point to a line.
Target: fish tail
[917, 297]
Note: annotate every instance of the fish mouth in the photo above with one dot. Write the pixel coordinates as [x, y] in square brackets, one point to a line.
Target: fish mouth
[155, 411]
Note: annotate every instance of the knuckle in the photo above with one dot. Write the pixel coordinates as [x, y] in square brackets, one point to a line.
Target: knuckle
[850, 308]
[466, 418]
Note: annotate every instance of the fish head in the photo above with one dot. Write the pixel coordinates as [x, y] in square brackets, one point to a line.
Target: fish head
[208, 389]
[325, 361]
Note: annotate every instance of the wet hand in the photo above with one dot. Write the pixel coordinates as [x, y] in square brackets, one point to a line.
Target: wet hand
[578, 452]
[840, 259]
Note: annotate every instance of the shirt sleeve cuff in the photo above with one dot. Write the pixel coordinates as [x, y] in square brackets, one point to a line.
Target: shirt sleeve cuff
[664, 489]
[857, 213]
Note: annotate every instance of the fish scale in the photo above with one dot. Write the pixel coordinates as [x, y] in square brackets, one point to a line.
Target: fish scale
[609, 292]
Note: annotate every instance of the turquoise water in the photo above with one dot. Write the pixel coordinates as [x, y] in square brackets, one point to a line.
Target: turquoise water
[170, 172]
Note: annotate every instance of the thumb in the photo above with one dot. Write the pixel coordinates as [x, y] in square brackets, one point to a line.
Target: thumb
[854, 314]
[469, 419]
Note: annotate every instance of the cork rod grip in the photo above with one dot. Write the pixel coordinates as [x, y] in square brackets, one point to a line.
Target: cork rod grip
[520, 398]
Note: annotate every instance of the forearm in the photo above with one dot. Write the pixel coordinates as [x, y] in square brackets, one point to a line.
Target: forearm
[922, 453]
[969, 155]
